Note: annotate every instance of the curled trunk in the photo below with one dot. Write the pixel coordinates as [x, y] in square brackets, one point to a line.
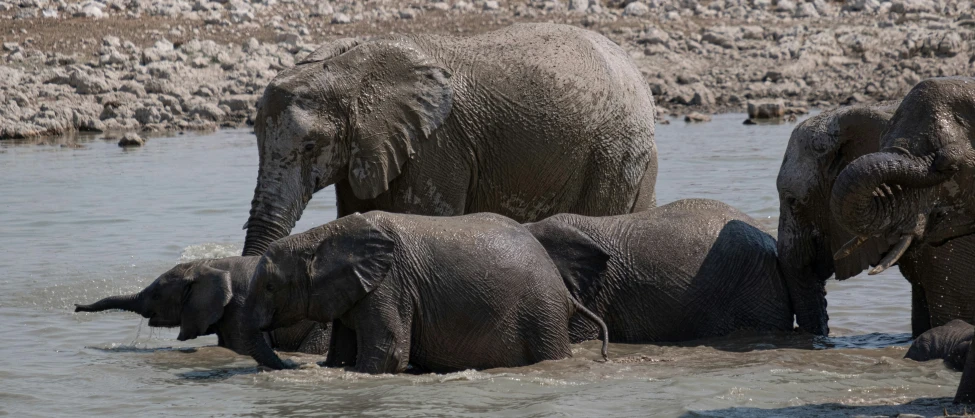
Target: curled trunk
[131, 303]
[884, 191]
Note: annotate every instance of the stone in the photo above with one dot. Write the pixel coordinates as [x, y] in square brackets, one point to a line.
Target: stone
[720, 36]
[341, 18]
[807, 10]
[862, 5]
[491, 5]
[766, 109]
[240, 102]
[911, 6]
[950, 45]
[131, 139]
[578, 5]
[785, 6]
[697, 117]
[88, 84]
[636, 9]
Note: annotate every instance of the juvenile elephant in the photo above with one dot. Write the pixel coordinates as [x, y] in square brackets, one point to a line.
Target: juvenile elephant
[206, 297]
[688, 270]
[819, 148]
[948, 342]
[443, 294]
[913, 201]
[527, 121]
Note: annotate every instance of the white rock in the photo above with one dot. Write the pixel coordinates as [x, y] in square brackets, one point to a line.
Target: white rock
[807, 10]
[491, 5]
[578, 5]
[341, 18]
[636, 9]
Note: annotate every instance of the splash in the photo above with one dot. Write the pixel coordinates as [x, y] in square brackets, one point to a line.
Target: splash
[210, 250]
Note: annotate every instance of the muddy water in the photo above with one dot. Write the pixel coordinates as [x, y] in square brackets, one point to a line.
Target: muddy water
[82, 219]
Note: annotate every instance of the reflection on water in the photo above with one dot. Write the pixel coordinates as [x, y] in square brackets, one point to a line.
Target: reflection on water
[83, 219]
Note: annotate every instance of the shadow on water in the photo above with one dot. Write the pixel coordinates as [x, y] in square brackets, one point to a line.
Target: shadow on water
[920, 406]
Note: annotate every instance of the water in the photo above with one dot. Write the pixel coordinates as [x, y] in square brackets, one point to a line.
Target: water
[83, 219]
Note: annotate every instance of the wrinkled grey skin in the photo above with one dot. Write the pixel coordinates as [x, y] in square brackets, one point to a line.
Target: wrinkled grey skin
[948, 342]
[206, 297]
[916, 197]
[687, 270]
[819, 149]
[440, 293]
[527, 122]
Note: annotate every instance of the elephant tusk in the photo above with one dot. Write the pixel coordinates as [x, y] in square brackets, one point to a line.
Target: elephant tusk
[849, 247]
[894, 254]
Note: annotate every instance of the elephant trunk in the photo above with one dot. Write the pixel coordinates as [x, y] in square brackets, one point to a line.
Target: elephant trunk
[258, 348]
[272, 217]
[805, 263]
[883, 192]
[133, 303]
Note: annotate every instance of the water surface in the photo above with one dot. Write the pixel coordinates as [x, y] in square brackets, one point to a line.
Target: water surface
[83, 219]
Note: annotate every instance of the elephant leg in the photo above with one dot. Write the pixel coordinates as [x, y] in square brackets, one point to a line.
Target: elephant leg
[646, 197]
[966, 387]
[317, 340]
[384, 342]
[342, 348]
[920, 315]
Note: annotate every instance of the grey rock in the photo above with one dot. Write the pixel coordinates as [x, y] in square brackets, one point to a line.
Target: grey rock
[88, 84]
[341, 18]
[578, 5]
[785, 6]
[807, 10]
[697, 117]
[862, 5]
[240, 102]
[636, 9]
[766, 109]
[491, 5]
[131, 139]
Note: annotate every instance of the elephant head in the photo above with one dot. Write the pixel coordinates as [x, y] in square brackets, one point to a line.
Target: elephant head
[319, 275]
[919, 186]
[191, 296]
[819, 149]
[352, 111]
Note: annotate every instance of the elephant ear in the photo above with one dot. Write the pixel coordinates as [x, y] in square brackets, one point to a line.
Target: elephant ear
[209, 292]
[401, 97]
[353, 259]
[330, 50]
[579, 259]
[854, 133]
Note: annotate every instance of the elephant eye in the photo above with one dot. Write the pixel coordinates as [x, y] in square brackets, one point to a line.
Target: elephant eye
[269, 287]
[309, 146]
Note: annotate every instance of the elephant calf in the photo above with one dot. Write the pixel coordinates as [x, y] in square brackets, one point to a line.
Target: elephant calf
[948, 342]
[688, 270]
[440, 293]
[206, 297]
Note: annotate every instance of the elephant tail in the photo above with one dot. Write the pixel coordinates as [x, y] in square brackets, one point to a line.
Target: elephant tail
[598, 321]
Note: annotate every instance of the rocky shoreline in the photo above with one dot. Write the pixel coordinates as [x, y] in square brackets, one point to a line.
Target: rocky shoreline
[175, 65]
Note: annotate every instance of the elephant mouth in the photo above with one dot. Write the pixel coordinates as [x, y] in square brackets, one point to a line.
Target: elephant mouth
[156, 322]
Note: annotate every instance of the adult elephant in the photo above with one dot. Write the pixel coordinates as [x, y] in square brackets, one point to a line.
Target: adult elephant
[527, 121]
[819, 148]
[687, 270]
[913, 201]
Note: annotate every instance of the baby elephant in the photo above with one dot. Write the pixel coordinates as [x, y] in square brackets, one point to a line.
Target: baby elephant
[205, 297]
[440, 293]
[688, 270]
[948, 342]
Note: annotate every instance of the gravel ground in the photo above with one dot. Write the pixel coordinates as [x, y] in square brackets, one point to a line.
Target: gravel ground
[173, 65]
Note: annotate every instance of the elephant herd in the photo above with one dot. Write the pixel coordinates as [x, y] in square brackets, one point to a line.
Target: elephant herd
[495, 199]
